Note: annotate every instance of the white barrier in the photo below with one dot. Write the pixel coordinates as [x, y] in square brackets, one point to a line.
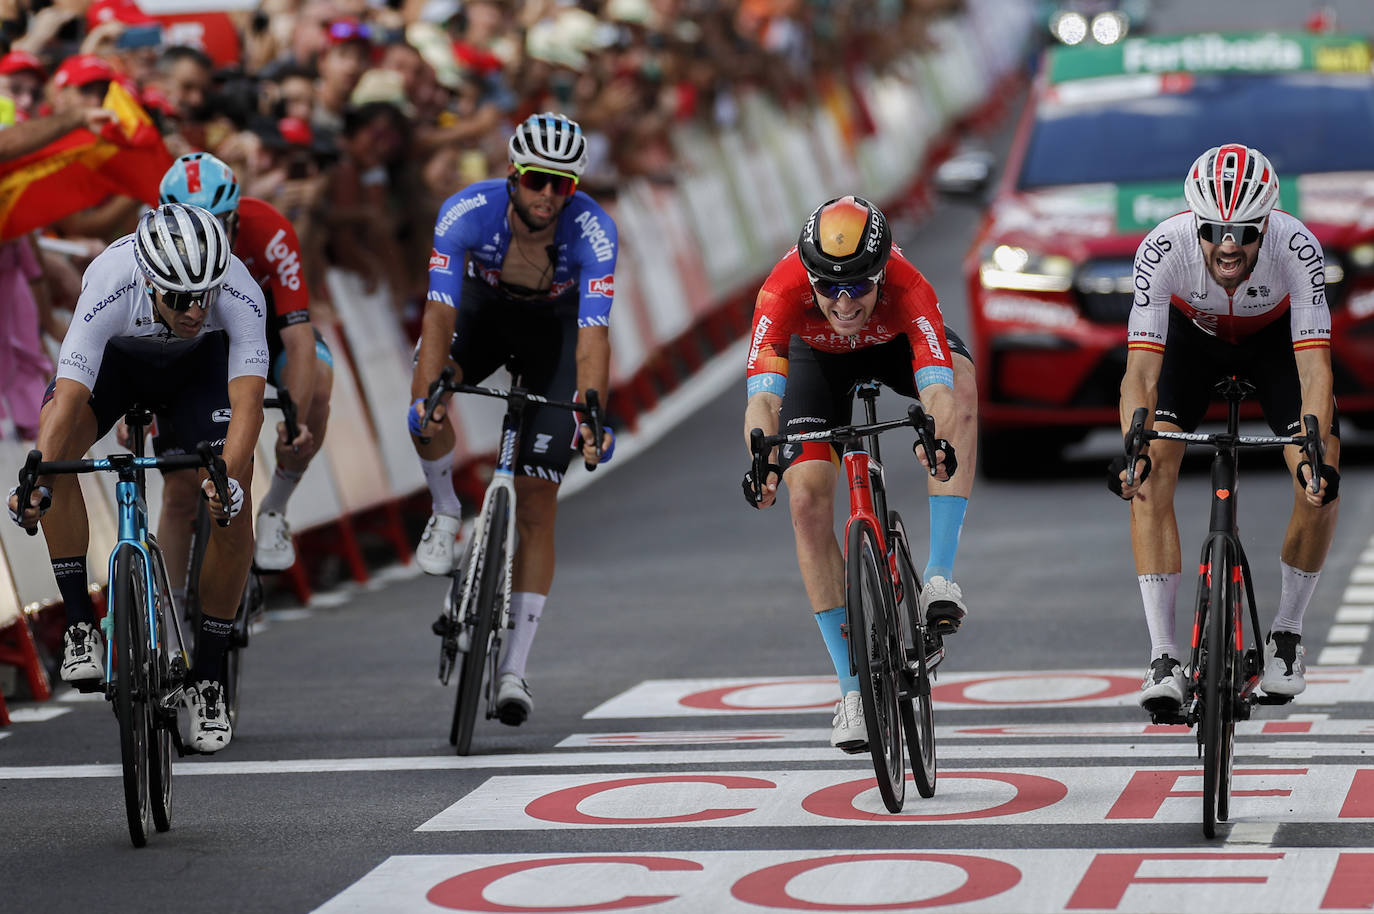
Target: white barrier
[686, 249]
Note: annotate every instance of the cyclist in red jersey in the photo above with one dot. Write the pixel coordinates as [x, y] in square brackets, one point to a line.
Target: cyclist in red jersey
[845, 306]
[298, 358]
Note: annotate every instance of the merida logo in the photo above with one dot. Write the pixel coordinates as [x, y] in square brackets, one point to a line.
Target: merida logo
[597, 238]
[932, 338]
[759, 333]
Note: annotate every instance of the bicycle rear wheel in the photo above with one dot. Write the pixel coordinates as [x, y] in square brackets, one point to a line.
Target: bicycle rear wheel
[1219, 696]
[873, 645]
[129, 604]
[918, 713]
[480, 619]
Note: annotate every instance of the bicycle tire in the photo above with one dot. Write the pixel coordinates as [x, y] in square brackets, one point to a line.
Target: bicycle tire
[129, 605]
[872, 644]
[490, 578]
[918, 712]
[1218, 700]
[162, 720]
[238, 641]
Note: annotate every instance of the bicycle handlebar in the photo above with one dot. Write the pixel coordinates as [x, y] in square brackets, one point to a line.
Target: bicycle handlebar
[760, 444]
[34, 467]
[591, 407]
[1310, 442]
[283, 402]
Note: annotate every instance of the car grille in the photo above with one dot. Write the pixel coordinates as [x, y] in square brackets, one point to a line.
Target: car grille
[1103, 289]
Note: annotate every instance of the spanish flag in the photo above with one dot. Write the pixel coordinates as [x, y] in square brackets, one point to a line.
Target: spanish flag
[83, 168]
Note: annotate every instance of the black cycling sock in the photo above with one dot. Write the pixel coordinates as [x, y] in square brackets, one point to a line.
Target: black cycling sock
[72, 584]
[211, 642]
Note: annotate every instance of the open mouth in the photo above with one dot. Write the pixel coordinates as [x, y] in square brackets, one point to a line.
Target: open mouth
[1229, 266]
[847, 319]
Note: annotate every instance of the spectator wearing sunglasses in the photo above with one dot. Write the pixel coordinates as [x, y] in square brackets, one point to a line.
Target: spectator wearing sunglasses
[1231, 286]
[522, 274]
[168, 318]
[842, 307]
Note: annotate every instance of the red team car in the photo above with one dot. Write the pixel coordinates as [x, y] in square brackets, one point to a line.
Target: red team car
[1098, 161]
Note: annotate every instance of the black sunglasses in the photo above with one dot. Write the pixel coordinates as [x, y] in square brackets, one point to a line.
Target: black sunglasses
[182, 301]
[829, 288]
[1241, 233]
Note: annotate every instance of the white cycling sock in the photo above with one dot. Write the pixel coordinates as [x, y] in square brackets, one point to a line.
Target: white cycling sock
[525, 610]
[284, 482]
[1158, 591]
[439, 478]
[1295, 592]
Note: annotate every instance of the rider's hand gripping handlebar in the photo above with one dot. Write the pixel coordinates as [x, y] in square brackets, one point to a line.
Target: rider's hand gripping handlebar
[218, 477]
[593, 421]
[436, 393]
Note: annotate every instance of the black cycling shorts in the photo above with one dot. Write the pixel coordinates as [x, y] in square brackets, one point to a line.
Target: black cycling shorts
[1194, 361]
[536, 340]
[188, 391]
[818, 397]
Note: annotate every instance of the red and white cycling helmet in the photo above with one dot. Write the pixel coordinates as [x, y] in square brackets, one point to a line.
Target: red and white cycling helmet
[1231, 183]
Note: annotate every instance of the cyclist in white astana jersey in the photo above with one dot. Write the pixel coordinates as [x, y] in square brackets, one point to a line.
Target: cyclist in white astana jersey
[170, 320]
[1232, 286]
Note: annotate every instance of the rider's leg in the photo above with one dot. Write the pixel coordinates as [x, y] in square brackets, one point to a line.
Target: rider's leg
[66, 527]
[1154, 541]
[811, 498]
[949, 499]
[180, 499]
[228, 557]
[1305, 545]
[292, 464]
[536, 509]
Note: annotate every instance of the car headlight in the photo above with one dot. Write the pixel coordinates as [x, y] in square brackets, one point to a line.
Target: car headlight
[1362, 256]
[1010, 267]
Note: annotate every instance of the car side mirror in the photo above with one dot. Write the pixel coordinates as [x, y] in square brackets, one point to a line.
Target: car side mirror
[966, 175]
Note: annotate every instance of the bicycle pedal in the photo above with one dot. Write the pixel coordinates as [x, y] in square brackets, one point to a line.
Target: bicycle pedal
[1165, 715]
[1264, 698]
[853, 749]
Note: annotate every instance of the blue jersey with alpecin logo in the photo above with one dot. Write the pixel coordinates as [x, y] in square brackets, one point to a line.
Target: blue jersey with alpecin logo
[473, 228]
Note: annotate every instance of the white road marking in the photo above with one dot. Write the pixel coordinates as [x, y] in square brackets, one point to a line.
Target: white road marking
[1339, 655]
[1252, 833]
[1348, 634]
[1358, 594]
[1355, 614]
[36, 714]
[1183, 752]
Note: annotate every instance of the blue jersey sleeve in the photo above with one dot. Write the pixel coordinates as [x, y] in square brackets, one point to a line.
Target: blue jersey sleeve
[594, 251]
[455, 233]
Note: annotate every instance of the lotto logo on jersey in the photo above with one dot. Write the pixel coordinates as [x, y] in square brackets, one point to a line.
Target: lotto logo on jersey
[437, 261]
[286, 260]
[603, 286]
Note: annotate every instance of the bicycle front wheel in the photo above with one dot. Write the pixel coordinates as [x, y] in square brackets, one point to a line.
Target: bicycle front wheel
[480, 619]
[1219, 696]
[874, 648]
[129, 604]
[918, 712]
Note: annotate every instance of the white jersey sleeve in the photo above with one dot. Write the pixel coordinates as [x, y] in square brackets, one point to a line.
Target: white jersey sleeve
[1158, 262]
[1302, 267]
[111, 305]
[241, 311]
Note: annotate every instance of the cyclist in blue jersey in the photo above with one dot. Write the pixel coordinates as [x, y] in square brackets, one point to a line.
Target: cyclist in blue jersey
[522, 274]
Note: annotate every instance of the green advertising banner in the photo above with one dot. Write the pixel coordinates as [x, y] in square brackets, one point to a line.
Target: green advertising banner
[1268, 52]
[1141, 206]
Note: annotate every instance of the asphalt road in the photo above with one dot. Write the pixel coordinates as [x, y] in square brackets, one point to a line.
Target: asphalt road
[677, 749]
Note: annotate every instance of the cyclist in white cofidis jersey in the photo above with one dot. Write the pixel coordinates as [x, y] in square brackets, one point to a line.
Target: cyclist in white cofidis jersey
[168, 319]
[1233, 286]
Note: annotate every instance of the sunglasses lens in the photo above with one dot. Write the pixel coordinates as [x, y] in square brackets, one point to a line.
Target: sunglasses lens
[182, 301]
[828, 289]
[536, 181]
[1216, 232]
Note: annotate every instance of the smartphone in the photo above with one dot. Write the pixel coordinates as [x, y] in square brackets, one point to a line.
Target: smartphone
[139, 36]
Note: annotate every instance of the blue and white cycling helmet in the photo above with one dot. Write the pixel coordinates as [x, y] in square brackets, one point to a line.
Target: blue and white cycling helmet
[200, 179]
[550, 141]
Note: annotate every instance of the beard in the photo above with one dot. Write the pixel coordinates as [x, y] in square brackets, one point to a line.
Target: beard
[532, 222]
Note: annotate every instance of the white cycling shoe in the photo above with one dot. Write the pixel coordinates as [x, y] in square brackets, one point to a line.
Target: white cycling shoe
[943, 602]
[210, 728]
[83, 657]
[273, 549]
[513, 699]
[439, 547]
[1285, 664]
[1162, 688]
[848, 730]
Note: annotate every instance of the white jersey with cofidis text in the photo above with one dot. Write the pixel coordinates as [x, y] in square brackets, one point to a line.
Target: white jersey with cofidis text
[114, 304]
[1289, 279]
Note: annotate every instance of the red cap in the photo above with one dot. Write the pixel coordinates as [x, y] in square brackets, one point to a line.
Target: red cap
[154, 99]
[20, 62]
[342, 31]
[296, 131]
[125, 11]
[82, 69]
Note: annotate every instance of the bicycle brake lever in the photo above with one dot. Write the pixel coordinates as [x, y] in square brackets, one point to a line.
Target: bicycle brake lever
[218, 477]
[593, 400]
[28, 481]
[925, 433]
[1135, 443]
[436, 393]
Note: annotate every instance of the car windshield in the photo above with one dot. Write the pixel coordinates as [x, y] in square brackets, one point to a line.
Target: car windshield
[1304, 123]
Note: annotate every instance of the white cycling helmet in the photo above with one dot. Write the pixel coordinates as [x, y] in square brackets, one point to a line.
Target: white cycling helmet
[1231, 183]
[181, 248]
[550, 141]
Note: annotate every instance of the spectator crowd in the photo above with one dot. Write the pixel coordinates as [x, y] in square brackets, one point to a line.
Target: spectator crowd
[358, 118]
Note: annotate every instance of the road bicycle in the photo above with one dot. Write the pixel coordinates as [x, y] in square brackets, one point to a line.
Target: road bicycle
[1223, 673]
[253, 602]
[478, 608]
[892, 648]
[146, 661]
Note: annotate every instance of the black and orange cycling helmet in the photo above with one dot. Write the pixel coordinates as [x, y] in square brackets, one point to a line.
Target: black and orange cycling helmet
[846, 240]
